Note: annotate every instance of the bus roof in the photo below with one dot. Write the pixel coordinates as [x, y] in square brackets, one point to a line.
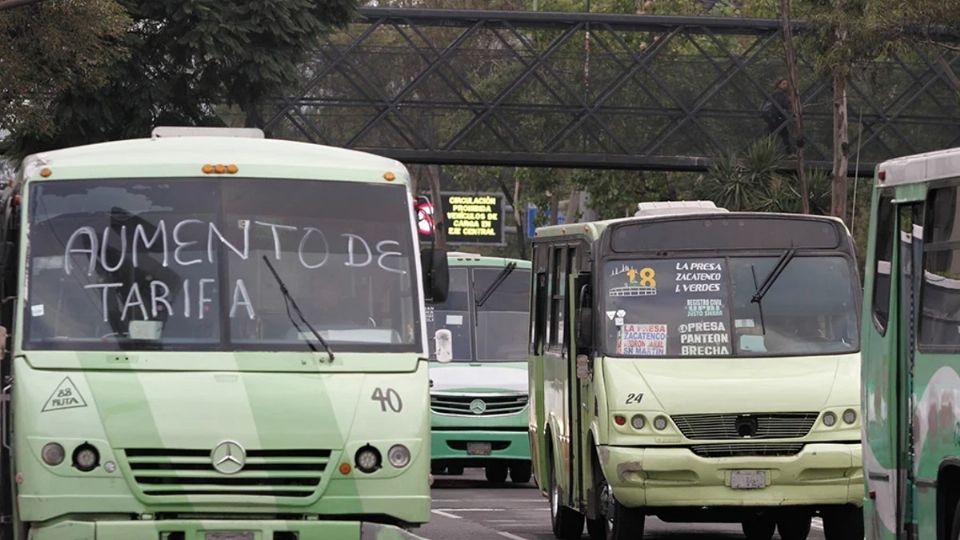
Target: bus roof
[459, 258]
[185, 157]
[592, 230]
[919, 168]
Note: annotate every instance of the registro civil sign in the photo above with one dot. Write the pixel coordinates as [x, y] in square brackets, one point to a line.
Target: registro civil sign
[473, 218]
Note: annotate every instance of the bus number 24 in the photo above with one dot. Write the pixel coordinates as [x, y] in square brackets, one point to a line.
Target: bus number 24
[634, 398]
[388, 398]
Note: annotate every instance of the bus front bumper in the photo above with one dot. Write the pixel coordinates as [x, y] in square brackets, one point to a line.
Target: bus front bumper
[821, 474]
[213, 529]
[456, 445]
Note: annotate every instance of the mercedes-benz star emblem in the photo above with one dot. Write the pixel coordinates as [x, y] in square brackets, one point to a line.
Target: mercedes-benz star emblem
[228, 457]
[478, 406]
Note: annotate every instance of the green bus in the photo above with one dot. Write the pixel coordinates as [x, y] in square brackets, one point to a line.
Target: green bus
[697, 365]
[911, 347]
[479, 400]
[213, 337]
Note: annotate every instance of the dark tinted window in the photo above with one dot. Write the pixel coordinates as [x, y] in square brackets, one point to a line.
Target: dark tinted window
[725, 233]
[502, 319]
[940, 303]
[454, 314]
[883, 255]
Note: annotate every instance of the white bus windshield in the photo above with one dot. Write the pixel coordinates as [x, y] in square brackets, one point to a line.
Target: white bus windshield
[706, 307]
[495, 331]
[179, 264]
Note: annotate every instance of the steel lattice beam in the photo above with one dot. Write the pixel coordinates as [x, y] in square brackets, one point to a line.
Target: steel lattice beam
[595, 90]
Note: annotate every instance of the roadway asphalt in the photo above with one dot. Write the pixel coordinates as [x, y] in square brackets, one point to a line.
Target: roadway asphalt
[468, 507]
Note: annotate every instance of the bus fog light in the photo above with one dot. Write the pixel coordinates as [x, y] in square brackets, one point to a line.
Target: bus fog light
[86, 458]
[399, 456]
[660, 423]
[829, 419]
[110, 466]
[53, 454]
[638, 421]
[849, 416]
[368, 459]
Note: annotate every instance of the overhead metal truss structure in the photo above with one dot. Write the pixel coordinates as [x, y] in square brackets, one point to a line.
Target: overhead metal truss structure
[598, 91]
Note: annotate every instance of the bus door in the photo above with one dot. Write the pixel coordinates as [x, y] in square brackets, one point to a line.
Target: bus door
[909, 218]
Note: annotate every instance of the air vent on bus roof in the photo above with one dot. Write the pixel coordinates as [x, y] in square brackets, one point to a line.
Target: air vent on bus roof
[663, 208]
[166, 132]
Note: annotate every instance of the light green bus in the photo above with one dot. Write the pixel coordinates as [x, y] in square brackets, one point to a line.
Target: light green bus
[911, 347]
[479, 400]
[697, 365]
[213, 337]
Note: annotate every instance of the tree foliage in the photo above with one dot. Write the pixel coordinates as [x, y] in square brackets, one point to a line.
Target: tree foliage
[50, 48]
[185, 59]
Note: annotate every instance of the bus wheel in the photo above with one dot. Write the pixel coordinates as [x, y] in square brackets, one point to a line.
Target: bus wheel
[617, 522]
[496, 473]
[794, 524]
[759, 528]
[567, 523]
[955, 528]
[845, 523]
[521, 472]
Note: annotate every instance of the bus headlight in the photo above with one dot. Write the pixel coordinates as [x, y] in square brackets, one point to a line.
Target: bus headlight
[660, 423]
[638, 421]
[368, 459]
[399, 456]
[53, 454]
[829, 419]
[86, 458]
[849, 416]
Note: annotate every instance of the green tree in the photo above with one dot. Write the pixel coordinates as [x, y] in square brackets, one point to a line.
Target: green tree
[50, 49]
[186, 60]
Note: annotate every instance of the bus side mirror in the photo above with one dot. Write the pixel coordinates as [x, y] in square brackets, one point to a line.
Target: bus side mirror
[443, 345]
[585, 318]
[436, 274]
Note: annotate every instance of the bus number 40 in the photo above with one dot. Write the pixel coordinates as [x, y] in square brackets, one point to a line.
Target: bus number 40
[389, 398]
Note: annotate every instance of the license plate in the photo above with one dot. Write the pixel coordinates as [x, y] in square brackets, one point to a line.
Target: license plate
[229, 535]
[748, 479]
[478, 448]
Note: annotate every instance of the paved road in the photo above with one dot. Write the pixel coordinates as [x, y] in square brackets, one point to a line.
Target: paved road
[468, 507]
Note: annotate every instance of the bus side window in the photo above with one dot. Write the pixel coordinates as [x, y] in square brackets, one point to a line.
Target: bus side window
[940, 290]
[538, 321]
[558, 294]
[884, 254]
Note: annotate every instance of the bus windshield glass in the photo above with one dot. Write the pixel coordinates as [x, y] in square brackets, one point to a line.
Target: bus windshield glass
[495, 331]
[708, 307]
[180, 264]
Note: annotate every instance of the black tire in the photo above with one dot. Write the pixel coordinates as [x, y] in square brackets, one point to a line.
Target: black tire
[844, 523]
[794, 525]
[567, 524]
[521, 472]
[496, 473]
[759, 528]
[616, 521]
[955, 528]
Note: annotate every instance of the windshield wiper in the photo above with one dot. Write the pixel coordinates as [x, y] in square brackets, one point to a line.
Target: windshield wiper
[289, 301]
[501, 277]
[782, 263]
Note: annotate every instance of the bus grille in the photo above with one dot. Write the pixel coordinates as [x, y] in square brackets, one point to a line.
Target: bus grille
[746, 449]
[740, 426]
[276, 473]
[478, 404]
